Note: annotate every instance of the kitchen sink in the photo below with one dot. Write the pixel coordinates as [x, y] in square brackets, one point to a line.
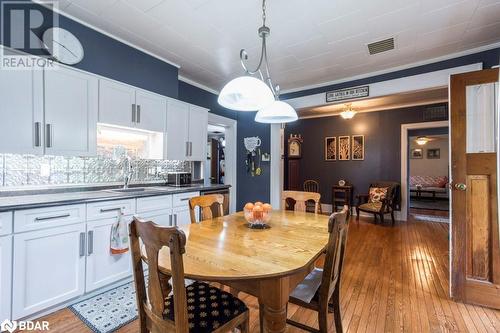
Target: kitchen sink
[129, 190]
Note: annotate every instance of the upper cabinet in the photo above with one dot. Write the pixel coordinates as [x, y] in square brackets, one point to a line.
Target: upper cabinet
[123, 105]
[186, 131]
[21, 125]
[52, 112]
[70, 112]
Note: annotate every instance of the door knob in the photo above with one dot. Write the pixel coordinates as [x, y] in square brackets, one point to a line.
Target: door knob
[460, 186]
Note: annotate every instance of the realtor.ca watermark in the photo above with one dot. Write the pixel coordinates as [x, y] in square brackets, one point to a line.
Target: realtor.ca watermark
[22, 24]
[23, 325]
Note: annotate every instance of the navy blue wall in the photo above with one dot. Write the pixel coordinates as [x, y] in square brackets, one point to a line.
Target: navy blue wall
[194, 95]
[110, 58]
[382, 131]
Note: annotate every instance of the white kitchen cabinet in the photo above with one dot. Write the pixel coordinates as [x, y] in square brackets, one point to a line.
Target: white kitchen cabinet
[103, 267]
[48, 268]
[180, 211]
[162, 217]
[21, 110]
[116, 103]
[151, 111]
[177, 145]
[71, 106]
[181, 216]
[5, 276]
[198, 123]
[186, 131]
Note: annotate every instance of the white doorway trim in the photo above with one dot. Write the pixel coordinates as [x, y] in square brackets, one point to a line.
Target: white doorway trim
[404, 159]
[277, 166]
[230, 154]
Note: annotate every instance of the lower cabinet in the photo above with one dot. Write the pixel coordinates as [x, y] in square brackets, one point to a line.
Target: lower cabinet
[162, 217]
[103, 267]
[49, 268]
[5, 276]
[181, 216]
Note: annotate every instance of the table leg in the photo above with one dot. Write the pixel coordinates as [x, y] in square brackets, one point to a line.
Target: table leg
[274, 298]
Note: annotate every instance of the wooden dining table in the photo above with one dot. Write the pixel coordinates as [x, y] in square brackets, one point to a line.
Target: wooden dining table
[265, 263]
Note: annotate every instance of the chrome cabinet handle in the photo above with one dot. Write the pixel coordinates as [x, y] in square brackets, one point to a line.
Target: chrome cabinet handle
[460, 186]
[185, 199]
[133, 112]
[170, 220]
[52, 217]
[82, 244]
[190, 148]
[90, 240]
[175, 220]
[48, 135]
[38, 137]
[187, 148]
[138, 114]
[107, 210]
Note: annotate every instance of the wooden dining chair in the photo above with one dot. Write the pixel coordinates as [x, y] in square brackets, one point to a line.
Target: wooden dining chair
[301, 199]
[207, 203]
[198, 307]
[320, 291]
[311, 186]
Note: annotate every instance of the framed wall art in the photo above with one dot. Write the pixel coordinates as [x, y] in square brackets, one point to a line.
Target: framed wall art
[434, 153]
[344, 148]
[358, 147]
[416, 153]
[331, 148]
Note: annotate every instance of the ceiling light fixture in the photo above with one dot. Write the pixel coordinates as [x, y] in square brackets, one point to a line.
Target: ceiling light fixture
[421, 140]
[348, 113]
[248, 93]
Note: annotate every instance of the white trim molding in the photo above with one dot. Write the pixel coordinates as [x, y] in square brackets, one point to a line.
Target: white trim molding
[277, 166]
[230, 155]
[404, 159]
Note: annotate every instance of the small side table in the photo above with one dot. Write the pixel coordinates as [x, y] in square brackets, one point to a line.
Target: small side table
[341, 195]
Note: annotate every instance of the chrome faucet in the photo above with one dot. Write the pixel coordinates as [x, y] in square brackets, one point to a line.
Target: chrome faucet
[128, 170]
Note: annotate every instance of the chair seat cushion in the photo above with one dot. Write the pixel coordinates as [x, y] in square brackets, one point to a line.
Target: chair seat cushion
[306, 290]
[208, 307]
[371, 206]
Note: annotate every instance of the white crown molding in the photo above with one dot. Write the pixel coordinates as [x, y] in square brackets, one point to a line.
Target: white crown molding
[398, 68]
[198, 85]
[62, 12]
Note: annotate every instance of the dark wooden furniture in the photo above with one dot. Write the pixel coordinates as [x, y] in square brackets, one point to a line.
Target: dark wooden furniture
[419, 192]
[163, 313]
[327, 296]
[341, 196]
[294, 154]
[300, 199]
[386, 206]
[206, 204]
[311, 186]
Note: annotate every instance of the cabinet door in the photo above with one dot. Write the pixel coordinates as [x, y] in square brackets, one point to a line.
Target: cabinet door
[21, 110]
[181, 216]
[151, 111]
[116, 103]
[71, 101]
[5, 276]
[162, 217]
[49, 268]
[104, 268]
[177, 130]
[198, 123]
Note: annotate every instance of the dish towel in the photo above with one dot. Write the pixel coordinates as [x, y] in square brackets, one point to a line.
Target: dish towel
[119, 236]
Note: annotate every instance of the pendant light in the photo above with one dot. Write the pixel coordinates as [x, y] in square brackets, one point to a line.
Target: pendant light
[348, 113]
[249, 93]
[421, 140]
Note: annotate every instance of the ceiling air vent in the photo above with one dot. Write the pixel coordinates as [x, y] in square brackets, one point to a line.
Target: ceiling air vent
[381, 46]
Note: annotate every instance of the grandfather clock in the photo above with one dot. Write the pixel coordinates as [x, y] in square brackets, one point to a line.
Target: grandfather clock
[294, 153]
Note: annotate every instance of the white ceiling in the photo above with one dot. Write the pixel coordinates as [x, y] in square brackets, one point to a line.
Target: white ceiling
[311, 42]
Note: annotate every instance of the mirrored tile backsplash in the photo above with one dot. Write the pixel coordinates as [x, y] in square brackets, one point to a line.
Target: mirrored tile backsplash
[18, 170]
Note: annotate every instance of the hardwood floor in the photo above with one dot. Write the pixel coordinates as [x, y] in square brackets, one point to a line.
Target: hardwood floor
[395, 279]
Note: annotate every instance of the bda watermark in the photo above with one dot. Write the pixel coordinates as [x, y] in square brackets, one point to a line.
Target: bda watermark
[23, 325]
[21, 25]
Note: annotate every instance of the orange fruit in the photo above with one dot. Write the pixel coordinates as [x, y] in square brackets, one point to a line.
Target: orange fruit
[267, 207]
[249, 206]
[258, 203]
[257, 208]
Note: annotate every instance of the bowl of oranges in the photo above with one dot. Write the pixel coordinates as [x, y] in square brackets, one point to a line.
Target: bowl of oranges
[258, 214]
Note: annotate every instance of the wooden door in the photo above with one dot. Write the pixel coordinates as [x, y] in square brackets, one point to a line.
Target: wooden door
[198, 124]
[104, 268]
[151, 111]
[21, 111]
[177, 130]
[48, 268]
[475, 275]
[71, 103]
[116, 103]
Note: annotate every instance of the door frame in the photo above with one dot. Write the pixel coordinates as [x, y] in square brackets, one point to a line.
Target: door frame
[405, 128]
[230, 177]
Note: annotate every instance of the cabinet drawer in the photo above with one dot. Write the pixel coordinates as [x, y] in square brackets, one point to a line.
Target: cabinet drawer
[181, 199]
[106, 209]
[154, 203]
[5, 223]
[41, 218]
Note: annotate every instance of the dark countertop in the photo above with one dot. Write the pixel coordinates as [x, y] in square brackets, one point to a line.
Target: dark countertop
[47, 198]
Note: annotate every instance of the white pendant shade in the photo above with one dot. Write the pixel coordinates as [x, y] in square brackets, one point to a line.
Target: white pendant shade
[245, 93]
[277, 112]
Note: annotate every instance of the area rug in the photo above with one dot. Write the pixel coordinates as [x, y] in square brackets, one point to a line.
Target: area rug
[108, 311]
[431, 205]
[431, 218]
